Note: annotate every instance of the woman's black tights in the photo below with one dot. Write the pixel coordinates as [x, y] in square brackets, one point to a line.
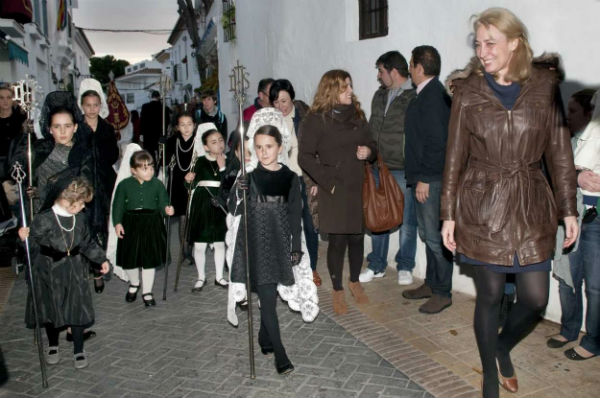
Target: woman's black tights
[337, 244]
[77, 332]
[532, 298]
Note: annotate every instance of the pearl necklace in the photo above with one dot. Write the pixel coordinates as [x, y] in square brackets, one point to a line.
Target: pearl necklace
[177, 150]
[67, 247]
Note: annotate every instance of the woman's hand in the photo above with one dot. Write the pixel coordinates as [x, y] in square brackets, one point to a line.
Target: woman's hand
[23, 233]
[119, 231]
[363, 152]
[571, 231]
[314, 190]
[448, 235]
[189, 177]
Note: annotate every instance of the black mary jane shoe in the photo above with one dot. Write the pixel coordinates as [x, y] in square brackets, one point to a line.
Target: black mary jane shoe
[266, 350]
[148, 302]
[285, 369]
[99, 285]
[130, 297]
[86, 335]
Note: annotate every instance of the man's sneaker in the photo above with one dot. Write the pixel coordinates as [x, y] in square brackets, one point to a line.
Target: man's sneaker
[369, 274]
[405, 278]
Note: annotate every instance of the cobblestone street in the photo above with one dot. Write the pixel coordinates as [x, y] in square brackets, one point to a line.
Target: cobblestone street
[184, 347]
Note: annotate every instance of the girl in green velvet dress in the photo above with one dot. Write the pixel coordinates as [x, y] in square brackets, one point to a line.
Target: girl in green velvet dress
[139, 204]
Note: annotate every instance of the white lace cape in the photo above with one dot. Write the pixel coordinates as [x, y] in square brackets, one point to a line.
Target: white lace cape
[111, 248]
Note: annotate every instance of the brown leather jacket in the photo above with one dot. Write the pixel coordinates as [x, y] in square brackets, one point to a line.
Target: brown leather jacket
[493, 185]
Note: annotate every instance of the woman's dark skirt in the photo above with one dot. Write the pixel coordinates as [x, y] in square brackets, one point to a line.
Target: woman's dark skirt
[144, 242]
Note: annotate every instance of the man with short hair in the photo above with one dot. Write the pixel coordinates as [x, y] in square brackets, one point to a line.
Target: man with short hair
[209, 112]
[388, 109]
[262, 100]
[426, 127]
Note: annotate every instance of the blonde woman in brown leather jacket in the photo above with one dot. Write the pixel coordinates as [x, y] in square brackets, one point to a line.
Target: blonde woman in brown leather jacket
[498, 209]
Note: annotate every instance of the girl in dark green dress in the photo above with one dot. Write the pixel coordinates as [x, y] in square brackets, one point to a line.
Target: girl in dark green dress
[139, 204]
[207, 216]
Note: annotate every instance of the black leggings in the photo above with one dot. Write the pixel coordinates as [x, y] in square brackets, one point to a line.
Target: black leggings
[335, 257]
[268, 334]
[76, 331]
[532, 298]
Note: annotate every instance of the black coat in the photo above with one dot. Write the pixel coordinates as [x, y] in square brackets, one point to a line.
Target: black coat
[61, 282]
[179, 192]
[105, 153]
[426, 129]
[151, 124]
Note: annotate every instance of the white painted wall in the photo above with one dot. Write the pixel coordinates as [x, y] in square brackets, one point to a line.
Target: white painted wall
[300, 40]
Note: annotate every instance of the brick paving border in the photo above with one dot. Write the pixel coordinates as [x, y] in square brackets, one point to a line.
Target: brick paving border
[435, 378]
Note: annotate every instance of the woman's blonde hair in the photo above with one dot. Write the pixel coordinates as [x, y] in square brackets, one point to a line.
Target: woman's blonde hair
[519, 68]
[78, 190]
[332, 84]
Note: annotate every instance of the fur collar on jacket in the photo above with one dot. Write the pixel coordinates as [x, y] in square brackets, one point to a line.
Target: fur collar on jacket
[547, 61]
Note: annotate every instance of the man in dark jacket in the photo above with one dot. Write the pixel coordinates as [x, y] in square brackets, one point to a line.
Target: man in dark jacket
[151, 123]
[388, 110]
[209, 112]
[426, 127]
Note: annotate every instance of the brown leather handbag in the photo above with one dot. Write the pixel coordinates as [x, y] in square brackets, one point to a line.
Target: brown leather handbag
[383, 206]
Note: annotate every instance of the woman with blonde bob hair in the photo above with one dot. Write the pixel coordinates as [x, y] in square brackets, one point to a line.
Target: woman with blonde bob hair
[500, 214]
[334, 144]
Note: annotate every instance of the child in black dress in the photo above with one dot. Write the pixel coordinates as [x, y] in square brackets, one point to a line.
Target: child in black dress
[180, 147]
[207, 217]
[61, 245]
[274, 234]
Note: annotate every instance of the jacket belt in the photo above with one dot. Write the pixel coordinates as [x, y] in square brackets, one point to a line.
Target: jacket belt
[507, 197]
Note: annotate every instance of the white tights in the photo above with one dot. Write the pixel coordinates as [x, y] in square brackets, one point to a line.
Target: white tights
[200, 259]
[147, 279]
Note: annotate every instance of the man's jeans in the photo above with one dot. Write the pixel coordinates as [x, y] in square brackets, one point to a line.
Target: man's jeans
[438, 275]
[407, 234]
[585, 265]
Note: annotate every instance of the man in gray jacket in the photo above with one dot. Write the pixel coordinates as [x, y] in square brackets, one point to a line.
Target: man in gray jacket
[387, 126]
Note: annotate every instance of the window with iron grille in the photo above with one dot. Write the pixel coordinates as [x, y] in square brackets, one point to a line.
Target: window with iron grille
[228, 20]
[373, 18]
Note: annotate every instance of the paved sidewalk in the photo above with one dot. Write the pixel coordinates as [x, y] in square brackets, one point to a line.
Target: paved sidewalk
[184, 347]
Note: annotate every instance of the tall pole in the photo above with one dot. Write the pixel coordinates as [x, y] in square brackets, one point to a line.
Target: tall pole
[168, 246]
[25, 94]
[239, 84]
[18, 174]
